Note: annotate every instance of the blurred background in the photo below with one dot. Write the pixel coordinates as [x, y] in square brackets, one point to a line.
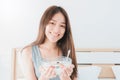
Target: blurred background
[95, 24]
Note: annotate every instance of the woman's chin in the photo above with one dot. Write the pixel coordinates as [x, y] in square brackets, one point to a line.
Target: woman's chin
[53, 40]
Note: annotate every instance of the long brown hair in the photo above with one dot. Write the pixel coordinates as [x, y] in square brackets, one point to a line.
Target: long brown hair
[66, 42]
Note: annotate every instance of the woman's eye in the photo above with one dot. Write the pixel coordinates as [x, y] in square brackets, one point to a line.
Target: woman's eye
[63, 26]
[52, 23]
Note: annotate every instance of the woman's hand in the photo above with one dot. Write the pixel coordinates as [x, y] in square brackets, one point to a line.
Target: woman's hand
[66, 72]
[46, 74]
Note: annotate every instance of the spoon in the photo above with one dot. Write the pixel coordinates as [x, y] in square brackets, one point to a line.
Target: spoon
[68, 54]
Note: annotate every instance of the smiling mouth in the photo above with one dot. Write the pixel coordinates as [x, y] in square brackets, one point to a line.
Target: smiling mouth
[55, 35]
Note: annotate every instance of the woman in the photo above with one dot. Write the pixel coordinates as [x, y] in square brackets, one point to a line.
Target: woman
[54, 39]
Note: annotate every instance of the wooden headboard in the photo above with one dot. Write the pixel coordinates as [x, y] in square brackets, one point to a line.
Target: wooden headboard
[16, 69]
[86, 57]
[97, 49]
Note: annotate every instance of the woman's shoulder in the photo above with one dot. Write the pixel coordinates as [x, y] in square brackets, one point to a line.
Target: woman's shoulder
[27, 52]
[75, 78]
[27, 49]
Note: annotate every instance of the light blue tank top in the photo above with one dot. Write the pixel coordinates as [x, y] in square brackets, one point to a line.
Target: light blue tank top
[36, 58]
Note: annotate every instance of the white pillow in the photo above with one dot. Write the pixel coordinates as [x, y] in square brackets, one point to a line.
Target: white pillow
[116, 71]
[88, 73]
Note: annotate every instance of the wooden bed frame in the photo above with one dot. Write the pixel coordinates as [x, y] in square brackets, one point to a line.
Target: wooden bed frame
[106, 71]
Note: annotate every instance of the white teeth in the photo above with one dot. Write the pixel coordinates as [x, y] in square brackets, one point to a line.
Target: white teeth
[55, 35]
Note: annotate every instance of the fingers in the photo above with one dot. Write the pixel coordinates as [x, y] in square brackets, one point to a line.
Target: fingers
[70, 69]
[64, 75]
[48, 72]
[67, 70]
[42, 69]
[72, 66]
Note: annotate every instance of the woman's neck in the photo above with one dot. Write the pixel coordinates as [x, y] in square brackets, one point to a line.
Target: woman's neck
[50, 45]
[49, 50]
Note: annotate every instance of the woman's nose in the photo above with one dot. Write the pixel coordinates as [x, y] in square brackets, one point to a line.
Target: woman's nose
[56, 29]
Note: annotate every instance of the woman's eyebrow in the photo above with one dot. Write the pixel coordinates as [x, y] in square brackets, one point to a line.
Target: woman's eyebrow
[53, 20]
[56, 21]
[63, 22]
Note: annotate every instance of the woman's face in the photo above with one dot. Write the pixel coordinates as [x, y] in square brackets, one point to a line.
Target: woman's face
[55, 28]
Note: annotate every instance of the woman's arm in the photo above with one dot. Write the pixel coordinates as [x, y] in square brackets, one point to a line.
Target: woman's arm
[27, 65]
[75, 78]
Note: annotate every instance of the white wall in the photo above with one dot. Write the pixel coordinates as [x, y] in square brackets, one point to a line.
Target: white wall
[96, 22]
